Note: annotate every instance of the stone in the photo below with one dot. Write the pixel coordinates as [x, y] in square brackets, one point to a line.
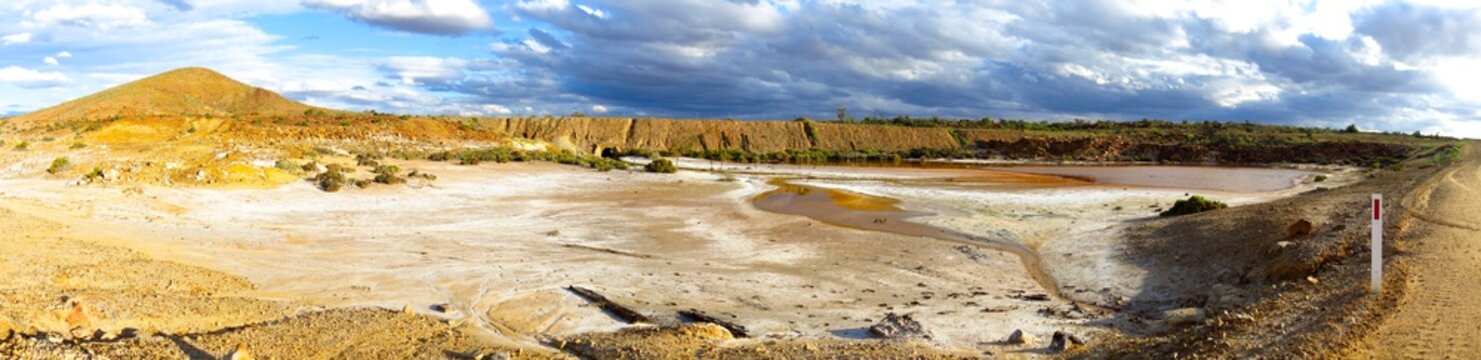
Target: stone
[77, 316]
[1301, 228]
[442, 308]
[1063, 341]
[240, 353]
[897, 327]
[1018, 337]
[1183, 316]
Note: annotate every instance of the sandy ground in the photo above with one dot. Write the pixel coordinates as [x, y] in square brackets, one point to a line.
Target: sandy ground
[497, 243]
[1438, 318]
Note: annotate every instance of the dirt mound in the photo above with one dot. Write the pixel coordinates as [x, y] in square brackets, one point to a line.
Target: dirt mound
[181, 92]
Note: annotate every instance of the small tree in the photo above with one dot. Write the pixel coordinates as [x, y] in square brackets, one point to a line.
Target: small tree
[58, 165]
[1351, 128]
[661, 166]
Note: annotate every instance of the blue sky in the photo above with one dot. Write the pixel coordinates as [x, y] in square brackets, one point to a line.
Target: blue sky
[1385, 65]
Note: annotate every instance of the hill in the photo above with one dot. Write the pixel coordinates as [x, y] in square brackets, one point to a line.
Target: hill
[181, 92]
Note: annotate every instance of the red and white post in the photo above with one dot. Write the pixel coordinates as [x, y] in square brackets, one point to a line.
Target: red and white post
[1377, 243]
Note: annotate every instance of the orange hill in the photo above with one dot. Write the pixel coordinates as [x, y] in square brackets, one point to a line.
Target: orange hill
[181, 92]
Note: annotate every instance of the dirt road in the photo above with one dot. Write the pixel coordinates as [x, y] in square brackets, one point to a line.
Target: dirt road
[1440, 317]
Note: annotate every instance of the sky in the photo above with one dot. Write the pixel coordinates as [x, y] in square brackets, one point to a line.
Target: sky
[1383, 65]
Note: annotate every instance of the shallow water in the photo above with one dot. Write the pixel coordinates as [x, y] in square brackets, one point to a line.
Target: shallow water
[1230, 179]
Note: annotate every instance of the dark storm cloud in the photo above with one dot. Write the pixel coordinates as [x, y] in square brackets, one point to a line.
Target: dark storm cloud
[1050, 59]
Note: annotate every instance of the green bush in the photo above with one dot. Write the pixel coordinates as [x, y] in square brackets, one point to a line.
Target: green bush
[1320, 178]
[78, 145]
[58, 165]
[661, 166]
[387, 174]
[22, 146]
[1193, 205]
[331, 180]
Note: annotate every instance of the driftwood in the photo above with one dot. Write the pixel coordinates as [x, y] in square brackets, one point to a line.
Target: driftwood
[736, 330]
[626, 314]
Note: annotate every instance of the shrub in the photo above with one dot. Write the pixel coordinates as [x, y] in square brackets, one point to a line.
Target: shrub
[331, 180]
[661, 166]
[286, 165]
[94, 175]
[22, 146]
[1320, 178]
[386, 174]
[58, 165]
[1193, 205]
[78, 145]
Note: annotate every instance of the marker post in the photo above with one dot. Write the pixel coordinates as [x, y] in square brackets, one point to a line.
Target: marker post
[1377, 244]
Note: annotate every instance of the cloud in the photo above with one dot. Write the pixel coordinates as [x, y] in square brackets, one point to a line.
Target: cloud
[93, 15]
[181, 5]
[434, 17]
[20, 38]
[51, 61]
[31, 78]
[64, 54]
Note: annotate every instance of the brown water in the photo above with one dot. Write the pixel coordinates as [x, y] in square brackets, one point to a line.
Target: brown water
[873, 213]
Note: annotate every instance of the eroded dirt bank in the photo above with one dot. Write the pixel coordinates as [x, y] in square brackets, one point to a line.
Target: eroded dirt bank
[1244, 282]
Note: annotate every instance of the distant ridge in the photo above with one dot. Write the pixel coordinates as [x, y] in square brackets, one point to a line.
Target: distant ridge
[191, 91]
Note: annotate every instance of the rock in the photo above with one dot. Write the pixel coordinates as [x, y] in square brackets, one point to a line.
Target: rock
[1301, 228]
[77, 316]
[897, 327]
[1183, 317]
[1063, 341]
[1223, 296]
[1018, 337]
[7, 329]
[240, 353]
[442, 308]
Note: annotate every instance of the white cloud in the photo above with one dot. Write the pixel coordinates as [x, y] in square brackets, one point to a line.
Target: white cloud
[51, 61]
[599, 109]
[544, 5]
[437, 17]
[64, 55]
[420, 70]
[94, 16]
[20, 38]
[536, 46]
[598, 13]
[496, 109]
[31, 78]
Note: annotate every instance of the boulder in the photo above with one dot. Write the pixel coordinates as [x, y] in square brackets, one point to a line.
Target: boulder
[1063, 341]
[897, 327]
[1018, 337]
[1301, 228]
[1183, 317]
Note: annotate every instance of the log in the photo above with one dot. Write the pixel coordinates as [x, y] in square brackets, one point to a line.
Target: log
[736, 330]
[626, 314]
